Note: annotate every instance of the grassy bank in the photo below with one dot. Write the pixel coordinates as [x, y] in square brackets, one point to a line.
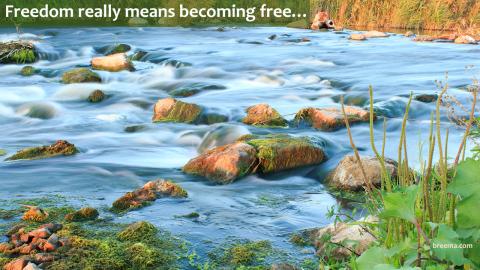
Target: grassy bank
[407, 14]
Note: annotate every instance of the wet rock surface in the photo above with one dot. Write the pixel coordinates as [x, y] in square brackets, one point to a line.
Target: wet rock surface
[60, 148]
[81, 75]
[330, 118]
[17, 52]
[113, 63]
[264, 115]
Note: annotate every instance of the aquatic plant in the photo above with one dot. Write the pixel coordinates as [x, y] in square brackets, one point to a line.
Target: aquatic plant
[84, 214]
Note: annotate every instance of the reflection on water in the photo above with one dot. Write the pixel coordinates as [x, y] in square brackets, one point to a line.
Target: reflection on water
[246, 68]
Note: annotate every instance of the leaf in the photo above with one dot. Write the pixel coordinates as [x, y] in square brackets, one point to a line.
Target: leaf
[391, 267]
[445, 246]
[401, 204]
[467, 179]
[370, 258]
[467, 215]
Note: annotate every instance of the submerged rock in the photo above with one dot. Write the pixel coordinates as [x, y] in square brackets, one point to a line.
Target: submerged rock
[426, 98]
[114, 49]
[423, 38]
[345, 237]
[60, 148]
[224, 164]
[149, 192]
[375, 34]
[84, 214]
[39, 110]
[137, 56]
[172, 110]
[465, 40]
[283, 152]
[28, 71]
[194, 89]
[357, 37]
[348, 173]
[3, 152]
[221, 135]
[17, 52]
[80, 75]
[331, 118]
[96, 96]
[113, 63]
[264, 115]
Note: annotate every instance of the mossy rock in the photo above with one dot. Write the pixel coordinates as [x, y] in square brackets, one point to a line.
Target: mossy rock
[28, 71]
[194, 89]
[172, 110]
[60, 148]
[263, 115]
[138, 232]
[301, 24]
[3, 152]
[96, 96]
[283, 152]
[81, 75]
[113, 49]
[243, 255]
[137, 56]
[17, 52]
[84, 214]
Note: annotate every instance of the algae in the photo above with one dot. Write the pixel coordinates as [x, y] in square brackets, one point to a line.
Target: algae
[84, 214]
[28, 71]
[80, 75]
[181, 112]
[58, 149]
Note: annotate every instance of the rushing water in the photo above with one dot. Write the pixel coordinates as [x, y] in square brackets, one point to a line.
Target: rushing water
[285, 73]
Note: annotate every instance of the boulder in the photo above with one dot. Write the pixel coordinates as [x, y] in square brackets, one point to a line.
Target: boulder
[465, 40]
[81, 75]
[284, 152]
[115, 62]
[348, 174]
[172, 110]
[328, 119]
[264, 115]
[96, 96]
[60, 148]
[17, 264]
[35, 213]
[149, 192]
[17, 52]
[375, 34]
[224, 164]
[344, 237]
[357, 37]
[423, 38]
[84, 214]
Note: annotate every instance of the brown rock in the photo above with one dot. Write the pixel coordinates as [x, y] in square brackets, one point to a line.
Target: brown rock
[51, 244]
[172, 110]
[149, 192]
[27, 248]
[113, 63]
[331, 118]
[345, 236]
[43, 258]
[5, 247]
[59, 148]
[423, 38]
[357, 37]
[24, 237]
[18, 264]
[263, 115]
[224, 164]
[43, 233]
[348, 174]
[465, 40]
[375, 34]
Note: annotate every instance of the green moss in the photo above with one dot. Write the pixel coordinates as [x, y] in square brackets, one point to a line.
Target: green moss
[80, 75]
[10, 213]
[184, 92]
[192, 215]
[28, 71]
[113, 49]
[84, 214]
[213, 118]
[137, 56]
[245, 255]
[3, 152]
[182, 112]
[138, 232]
[96, 96]
[17, 52]
[58, 149]
[299, 240]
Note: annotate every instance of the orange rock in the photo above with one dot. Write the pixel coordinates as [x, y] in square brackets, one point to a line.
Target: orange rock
[331, 118]
[263, 115]
[35, 213]
[357, 37]
[51, 244]
[172, 110]
[18, 264]
[224, 164]
[24, 237]
[319, 20]
[40, 233]
[113, 63]
[465, 40]
[4, 247]
[27, 248]
[375, 34]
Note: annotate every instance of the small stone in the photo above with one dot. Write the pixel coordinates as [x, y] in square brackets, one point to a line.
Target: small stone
[59, 148]
[328, 119]
[426, 98]
[81, 75]
[27, 249]
[172, 110]
[375, 34]
[114, 49]
[52, 243]
[43, 258]
[42, 233]
[4, 247]
[357, 37]
[264, 115]
[52, 227]
[28, 71]
[113, 63]
[272, 37]
[96, 96]
[423, 38]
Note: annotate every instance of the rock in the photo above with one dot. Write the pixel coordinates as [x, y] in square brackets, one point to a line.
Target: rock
[328, 119]
[375, 34]
[172, 110]
[17, 264]
[148, 193]
[348, 174]
[301, 24]
[52, 243]
[346, 236]
[224, 164]
[283, 152]
[31, 266]
[221, 135]
[137, 56]
[39, 110]
[60, 148]
[28, 71]
[113, 63]
[447, 37]
[272, 37]
[17, 52]
[84, 214]
[52, 227]
[423, 38]
[322, 21]
[42, 233]
[35, 213]
[357, 37]
[137, 22]
[409, 34]
[135, 128]
[138, 231]
[264, 115]
[114, 49]
[43, 258]
[2, 152]
[284, 266]
[426, 98]
[5, 247]
[81, 75]
[465, 40]
[96, 96]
